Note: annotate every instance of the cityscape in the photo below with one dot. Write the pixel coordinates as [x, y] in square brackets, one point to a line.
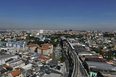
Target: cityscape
[57, 38]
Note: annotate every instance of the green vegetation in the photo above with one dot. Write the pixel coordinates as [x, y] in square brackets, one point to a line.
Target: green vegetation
[97, 50]
[8, 68]
[35, 50]
[3, 39]
[110, 55]
[108, 35]
[16, 53]
[54, 39]
[62, 59]
[53, 55]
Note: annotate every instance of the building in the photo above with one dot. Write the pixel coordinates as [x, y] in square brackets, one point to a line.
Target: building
[16, 73]
[2, 43]
[52, 75]
[27, 67]
[93, 65]
[17, 63]
[31, 47]
[95, 60]
[41, 31]
[4, 57]
[46, 49]
[106, 74]
[44, 59]
[44, 38]
[34, 57]
[18, 44]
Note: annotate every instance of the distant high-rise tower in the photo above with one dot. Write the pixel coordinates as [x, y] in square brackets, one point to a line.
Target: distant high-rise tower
[41, 31]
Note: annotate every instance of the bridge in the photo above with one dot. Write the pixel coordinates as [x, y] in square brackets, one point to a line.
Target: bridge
[78, 69]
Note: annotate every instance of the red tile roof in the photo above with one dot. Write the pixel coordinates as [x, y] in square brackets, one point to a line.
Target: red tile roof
[46, 44]
[44, 48]
[6, 66]
[103, 50]
[15, 73]
[114, 45]
[32, 45]
[43, 57]
[100, 55]
[83, 58]
[88, 35]
[110, 62]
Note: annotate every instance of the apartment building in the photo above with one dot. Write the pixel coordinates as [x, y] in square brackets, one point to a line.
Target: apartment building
[31, 47]
[46, 49]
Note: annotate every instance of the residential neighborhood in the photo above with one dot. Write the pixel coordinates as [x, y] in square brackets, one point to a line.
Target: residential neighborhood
[35, 57]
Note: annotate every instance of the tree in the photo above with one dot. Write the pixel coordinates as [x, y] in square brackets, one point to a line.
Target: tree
[3, 39]
[8, 68]
[54, 43]
[70, 30]
[97, 50]
[63, 58]
[35, 50]
[46, 41]
[65, 30]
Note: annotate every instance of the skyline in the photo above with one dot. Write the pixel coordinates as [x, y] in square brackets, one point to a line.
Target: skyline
[58, 14]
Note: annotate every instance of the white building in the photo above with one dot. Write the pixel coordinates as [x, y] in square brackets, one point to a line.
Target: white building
[41, 31]
[27, 67]
[4, 58]
[17, 63]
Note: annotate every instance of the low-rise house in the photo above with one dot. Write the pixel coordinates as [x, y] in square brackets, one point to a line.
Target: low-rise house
[27, 67]
[11, 40]
[26, 70]
[4, 57]
[35, 57]
[23, 37]
[100, 56]
[2, 70]
[114, 47]
[52, 75]
[17, 63]
[44, 59]
[2, 43]
[7, 67]
[16, 73]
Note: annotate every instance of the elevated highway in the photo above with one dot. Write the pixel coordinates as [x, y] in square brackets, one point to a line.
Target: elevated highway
[78, 68]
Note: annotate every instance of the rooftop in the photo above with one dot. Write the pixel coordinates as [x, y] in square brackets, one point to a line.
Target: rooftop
[32, 45]
[16, 60]
[92, 56]
[95, 60]
[43, 57]
[15, 73]
[44, 48]
[6, 56]
[46, 44]
[102, 65]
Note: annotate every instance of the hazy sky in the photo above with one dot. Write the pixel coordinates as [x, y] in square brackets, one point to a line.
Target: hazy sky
[58, 14]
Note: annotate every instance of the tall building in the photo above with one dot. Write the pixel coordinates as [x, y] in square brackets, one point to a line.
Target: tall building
[41, 31]
[46, 49]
